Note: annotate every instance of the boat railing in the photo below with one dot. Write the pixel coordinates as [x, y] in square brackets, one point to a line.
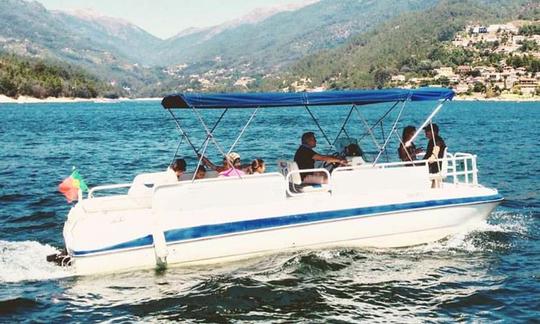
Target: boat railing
[93, 190]
[463, 167]
[460, 167]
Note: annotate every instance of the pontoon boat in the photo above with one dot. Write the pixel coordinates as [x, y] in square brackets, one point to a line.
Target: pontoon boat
[162, 221]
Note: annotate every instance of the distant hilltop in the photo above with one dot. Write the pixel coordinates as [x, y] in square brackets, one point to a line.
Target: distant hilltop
[490, 60]
[325, 44]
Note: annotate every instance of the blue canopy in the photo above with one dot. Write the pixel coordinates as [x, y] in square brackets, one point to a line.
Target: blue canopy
[290, 99]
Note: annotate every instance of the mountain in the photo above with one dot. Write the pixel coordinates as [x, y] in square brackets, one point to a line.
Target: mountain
[284, 37]
[40, 79]
[111, 34]
[409, 42]
[110, 49]
[333, 43]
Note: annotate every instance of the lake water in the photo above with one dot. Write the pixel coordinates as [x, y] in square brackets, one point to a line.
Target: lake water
[489, 274]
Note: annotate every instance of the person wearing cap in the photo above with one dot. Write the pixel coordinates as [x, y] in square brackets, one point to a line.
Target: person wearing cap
[435, 148]
[236, 169]
[305, 158]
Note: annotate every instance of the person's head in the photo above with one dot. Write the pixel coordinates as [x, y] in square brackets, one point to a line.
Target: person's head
[179, 167]
[353, 149]
[234, 159]
[408, 133]
[258, 166]
[309, 140]
[200, 173]
[428, 132]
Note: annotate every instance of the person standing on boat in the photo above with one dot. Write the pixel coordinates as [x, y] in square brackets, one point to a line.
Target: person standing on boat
[435, 148]
[305, 158]
[407, 151]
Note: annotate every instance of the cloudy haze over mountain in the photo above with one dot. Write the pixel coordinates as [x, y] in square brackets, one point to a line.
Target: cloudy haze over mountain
[166, 18]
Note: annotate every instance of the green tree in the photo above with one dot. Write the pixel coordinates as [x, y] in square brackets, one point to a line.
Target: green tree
[381, 77]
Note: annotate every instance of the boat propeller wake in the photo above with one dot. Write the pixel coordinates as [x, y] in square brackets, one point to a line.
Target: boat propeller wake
[26, 261]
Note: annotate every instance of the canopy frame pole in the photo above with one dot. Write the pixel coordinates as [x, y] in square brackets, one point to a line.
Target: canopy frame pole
[392, 130]
[384, 141]
[320, 128]
[424, 124]
[177, 148]
[213, 129]
[243, 129]
[379, 120]
[209, 134]
[182, 132]
[342, 129]
[369, 130]
[199, 160]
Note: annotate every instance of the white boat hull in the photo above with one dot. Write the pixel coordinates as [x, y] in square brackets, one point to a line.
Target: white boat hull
[385, 229]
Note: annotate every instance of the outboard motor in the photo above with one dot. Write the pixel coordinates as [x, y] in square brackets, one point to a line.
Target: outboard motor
[61, 259]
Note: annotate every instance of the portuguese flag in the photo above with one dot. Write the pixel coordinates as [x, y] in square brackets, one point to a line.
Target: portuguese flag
[71, 185]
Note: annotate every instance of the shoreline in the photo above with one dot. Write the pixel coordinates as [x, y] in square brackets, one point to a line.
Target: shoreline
[499, 99]
[31, 100]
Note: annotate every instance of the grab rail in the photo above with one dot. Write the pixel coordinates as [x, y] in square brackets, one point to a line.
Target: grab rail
[468, 174]
[106, 187]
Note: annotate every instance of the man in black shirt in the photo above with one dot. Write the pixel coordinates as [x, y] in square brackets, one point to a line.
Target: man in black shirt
[305, 156]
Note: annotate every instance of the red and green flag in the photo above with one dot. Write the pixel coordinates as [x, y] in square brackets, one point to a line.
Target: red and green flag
[71, 185]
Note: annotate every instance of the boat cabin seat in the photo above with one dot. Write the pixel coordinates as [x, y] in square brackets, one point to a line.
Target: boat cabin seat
[295, 181]
[188, 176]
[143, 184]
[355, 160]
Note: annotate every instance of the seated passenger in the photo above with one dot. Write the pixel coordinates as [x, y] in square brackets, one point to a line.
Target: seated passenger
[257, 166]
[200, 173]
[236, 170]
[214, 167]
[305, 158]
[353, 149]
[407, 151]
[179, 167]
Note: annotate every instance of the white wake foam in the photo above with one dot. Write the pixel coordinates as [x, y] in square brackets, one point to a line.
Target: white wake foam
[26, 260]
[505, 222]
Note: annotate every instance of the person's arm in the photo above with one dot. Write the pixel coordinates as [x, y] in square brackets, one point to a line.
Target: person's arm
[429, 150]
[402, 152]
[208, 163]
[329, 159]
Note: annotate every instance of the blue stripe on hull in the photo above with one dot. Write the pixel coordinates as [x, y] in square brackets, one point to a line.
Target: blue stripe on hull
[137, 243]
[203, 231]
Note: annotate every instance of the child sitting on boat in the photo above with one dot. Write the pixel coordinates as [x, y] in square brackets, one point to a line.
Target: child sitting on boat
[235, 166]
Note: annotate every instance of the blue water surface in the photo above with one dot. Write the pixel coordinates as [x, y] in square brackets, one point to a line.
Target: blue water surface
[490, 274]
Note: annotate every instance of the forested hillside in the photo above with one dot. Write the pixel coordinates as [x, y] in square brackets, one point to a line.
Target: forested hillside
[21, 76]
[287, 36]
[412, 42]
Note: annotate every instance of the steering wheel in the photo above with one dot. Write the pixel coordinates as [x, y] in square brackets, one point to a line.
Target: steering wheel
[329, 165]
